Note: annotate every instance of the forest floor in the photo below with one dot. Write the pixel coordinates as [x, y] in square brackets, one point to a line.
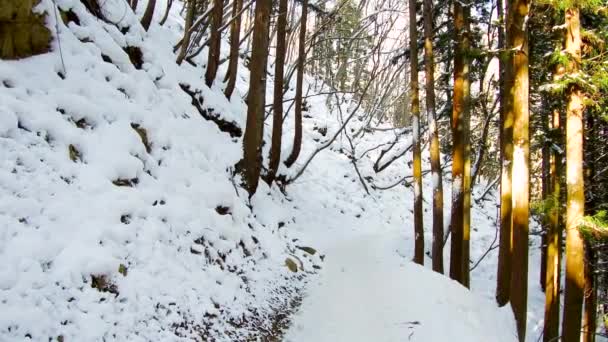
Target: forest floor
[369, 291]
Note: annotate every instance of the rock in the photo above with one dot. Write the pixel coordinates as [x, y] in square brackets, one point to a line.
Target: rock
[308, 250]
[293, 267]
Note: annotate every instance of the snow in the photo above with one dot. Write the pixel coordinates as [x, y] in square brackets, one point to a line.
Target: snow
[63, 221]
[367, 292]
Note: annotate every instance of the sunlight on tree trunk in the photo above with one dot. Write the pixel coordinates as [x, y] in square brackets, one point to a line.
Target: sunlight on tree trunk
[415, 110]
[517, 39]
[429, 73]
[503, 277]
[575, 203]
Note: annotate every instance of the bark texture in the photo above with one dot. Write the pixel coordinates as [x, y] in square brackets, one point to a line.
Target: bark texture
[505, 251]
[575, 199]
[415, 112]
[429, 72]
[517, 42]
[215, 40]
[235, 36]
[460, 107]
[297, 138]
[252, 141]
[277, 107]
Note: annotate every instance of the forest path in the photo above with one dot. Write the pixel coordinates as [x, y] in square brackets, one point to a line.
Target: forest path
[367, 291]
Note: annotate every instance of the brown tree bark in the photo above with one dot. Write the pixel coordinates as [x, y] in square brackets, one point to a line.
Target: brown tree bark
[460, 105]
[167, 10]
[252, 141]
[235, 36]
[215, 40]
[575, 199]
[187, 33]
[505, 251]
[415, 112]
[297, 138]
[134, 5]
[517, 42]
[590, 312]
[554, 240]
[146, 20]
[429, 72]
[277, 107]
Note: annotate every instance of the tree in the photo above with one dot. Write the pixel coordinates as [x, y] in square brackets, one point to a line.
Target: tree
[233, 63]
[297, 138]
[146, 20]
[429, 72]
[415, 111]
[503, 277]
[215, 40]
[460, 108]
[575, 199]
[277, 108]
[554, 240]
[191, 4]
[517, 43]
[251, 164]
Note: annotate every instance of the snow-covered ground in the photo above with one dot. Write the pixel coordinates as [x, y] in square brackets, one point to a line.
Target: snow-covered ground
[120, 218]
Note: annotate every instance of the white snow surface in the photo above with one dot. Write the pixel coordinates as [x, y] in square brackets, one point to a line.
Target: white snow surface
[192, 271]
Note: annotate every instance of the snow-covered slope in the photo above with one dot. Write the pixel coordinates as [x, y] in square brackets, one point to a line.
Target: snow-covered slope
[120, 218]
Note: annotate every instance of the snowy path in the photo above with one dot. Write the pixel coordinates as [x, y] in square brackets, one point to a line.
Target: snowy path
[368, 292]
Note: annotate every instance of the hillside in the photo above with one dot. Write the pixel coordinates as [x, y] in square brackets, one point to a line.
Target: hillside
[121, 218]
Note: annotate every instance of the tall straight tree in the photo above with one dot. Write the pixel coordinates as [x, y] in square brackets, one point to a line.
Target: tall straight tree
[297, 138]
[554, 233]
[503, 276]
[215, 40]
[575, 199]
[277, 107]
[235, 36]
[429, 75]
[415, 112]
[517, 43]
[460, 108]
[251, 164]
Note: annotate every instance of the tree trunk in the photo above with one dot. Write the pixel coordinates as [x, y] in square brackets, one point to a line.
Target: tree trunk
[235, 36]
[415, 111]
[459, 115]
[146, 20]
[517, 41]
[505, 251]
[215, 40]
[429, 68]
[187, 33]
[277, 116]
[134, 5]
[590, 313]
[297, 139]
[167, 10]
[554, 241]
[575, 205]
[252, 141]
[546, 194]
